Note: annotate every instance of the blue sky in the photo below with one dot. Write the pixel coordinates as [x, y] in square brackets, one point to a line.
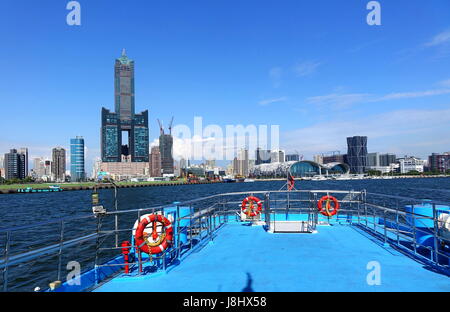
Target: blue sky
[313, 67]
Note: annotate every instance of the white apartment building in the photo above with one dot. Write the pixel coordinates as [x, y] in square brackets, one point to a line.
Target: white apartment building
[408, 164]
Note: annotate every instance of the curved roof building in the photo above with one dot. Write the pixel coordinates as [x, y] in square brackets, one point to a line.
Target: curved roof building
[298, 169]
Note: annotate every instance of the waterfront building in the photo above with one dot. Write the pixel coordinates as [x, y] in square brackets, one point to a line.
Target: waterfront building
[357, 154]
[373, 160]
[299, 169]
[292, 157]
[408, 164]
[387, 159]
[242, 163]
[58, 164]
[318, 159]
[277, 156]
[124, 134]
[439, 162]
[166, 150]
[24, 151]
[262, 156]
[335, 158]
[125, 170]
[77, 172]
[2, 168]
[14, 165]
[155, 162]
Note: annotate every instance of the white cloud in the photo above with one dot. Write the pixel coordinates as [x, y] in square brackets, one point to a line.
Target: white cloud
[401, 131]
[271, 101]
[445, 83]
[275, 74]
[336, 100]
[406, 95]
[439, 39]
[306, 68]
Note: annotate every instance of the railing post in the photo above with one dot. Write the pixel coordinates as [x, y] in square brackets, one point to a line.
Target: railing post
[366, 216]
[5, 270]
[414, 228]
[435, 234]
[385, 226]
[61, 240]
[397, 222]
[139, 249]
[190, 225]
[267, 209]
[178, 220]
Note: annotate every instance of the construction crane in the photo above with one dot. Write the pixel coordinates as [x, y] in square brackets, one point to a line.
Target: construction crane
[170, 126]
[161, 128]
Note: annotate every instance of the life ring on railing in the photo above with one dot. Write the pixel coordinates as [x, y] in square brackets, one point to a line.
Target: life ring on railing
[157, 241]
[328, 210]
[248, 206]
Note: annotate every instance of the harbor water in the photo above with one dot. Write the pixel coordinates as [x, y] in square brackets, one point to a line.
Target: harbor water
[23, 209]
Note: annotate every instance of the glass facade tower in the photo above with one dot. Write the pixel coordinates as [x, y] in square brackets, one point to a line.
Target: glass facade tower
[114, 145]
[357, 154]
[77, 172]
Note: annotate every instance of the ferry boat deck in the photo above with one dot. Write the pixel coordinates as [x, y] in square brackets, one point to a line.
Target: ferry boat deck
[249, 259]
[289, 241]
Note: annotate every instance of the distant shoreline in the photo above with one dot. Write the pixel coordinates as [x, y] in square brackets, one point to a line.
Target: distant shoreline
[13, 188]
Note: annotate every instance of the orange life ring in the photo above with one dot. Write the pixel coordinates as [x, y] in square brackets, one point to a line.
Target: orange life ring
[249, 211]
[161, 241]
[326, 210]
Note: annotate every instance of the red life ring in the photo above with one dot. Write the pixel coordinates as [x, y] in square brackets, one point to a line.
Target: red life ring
[326, 210]
[249, 211]
[160, 241]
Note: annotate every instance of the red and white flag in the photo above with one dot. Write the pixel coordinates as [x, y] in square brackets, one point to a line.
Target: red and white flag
[291, 182]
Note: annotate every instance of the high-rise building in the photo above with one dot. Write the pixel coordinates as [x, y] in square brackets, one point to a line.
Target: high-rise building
[77, 172]
[166, 150]
[292, 157]
[242, 163]
[373, 160]
[24, 151]
[58, 164]
[387, 159]
[14, 165]
[124, 134]
[439, 162]
[262, 156]
[155, 162]
[281, 156]
[357, 154]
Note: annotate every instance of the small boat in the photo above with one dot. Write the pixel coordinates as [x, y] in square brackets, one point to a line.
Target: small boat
[249, 180]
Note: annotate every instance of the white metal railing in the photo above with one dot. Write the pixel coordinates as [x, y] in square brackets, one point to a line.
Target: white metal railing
[101, 235]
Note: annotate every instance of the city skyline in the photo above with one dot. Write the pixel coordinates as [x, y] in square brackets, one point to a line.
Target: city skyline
[349, 79]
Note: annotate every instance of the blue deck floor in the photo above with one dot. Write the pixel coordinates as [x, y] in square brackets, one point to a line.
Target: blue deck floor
[244, 258]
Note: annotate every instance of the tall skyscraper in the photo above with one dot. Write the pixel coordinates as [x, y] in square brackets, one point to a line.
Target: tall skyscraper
[262, 156]
[14, 165]
[124, 134]
[58, 164]
[77, 172]
[24, 151]
[357, 154]
[155, 162]
[166, 149]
